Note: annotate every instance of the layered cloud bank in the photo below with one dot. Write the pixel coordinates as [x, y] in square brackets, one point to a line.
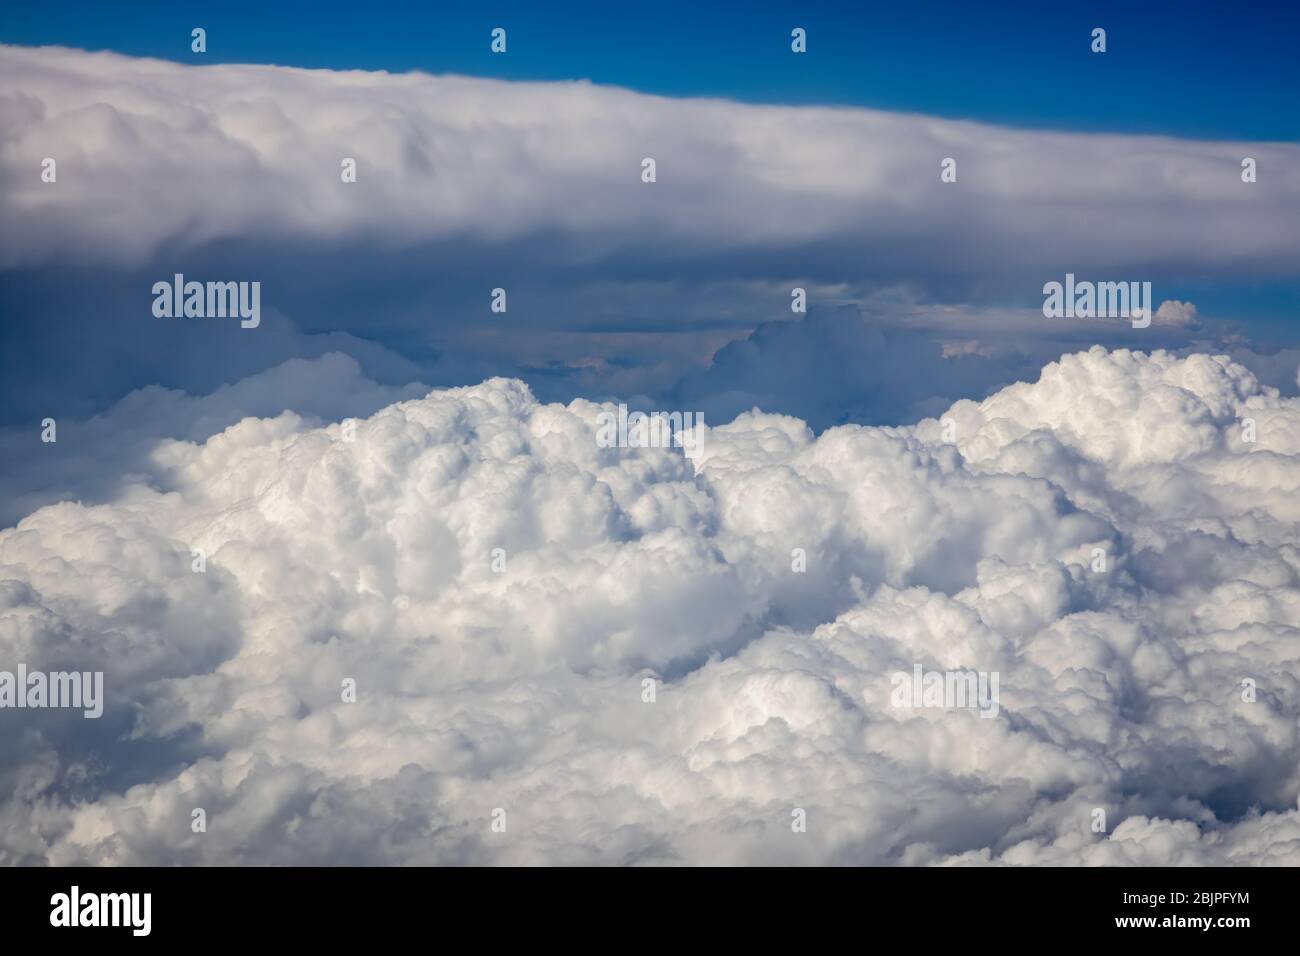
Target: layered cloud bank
[616, 287]
[514, 680]
[155, 154]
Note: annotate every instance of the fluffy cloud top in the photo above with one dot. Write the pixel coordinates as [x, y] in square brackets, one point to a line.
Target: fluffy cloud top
[363, 549]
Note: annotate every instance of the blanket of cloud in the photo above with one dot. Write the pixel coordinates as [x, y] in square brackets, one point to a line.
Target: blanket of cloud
[616, 287]
[363, 550]
[156, 153]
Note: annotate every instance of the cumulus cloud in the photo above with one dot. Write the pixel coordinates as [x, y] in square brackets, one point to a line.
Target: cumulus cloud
[90, 459]
[967, 541]
[1174, 312]
[840, 365]
[890, 361]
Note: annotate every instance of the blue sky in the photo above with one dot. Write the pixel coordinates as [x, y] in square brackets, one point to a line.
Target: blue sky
[1210, 70]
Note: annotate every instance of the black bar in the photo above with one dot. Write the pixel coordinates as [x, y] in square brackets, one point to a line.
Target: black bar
[332, 906]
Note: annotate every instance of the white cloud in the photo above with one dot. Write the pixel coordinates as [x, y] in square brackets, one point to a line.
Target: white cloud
[155, 154]
[371, 559]
[91, 458]
[1174, 312]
